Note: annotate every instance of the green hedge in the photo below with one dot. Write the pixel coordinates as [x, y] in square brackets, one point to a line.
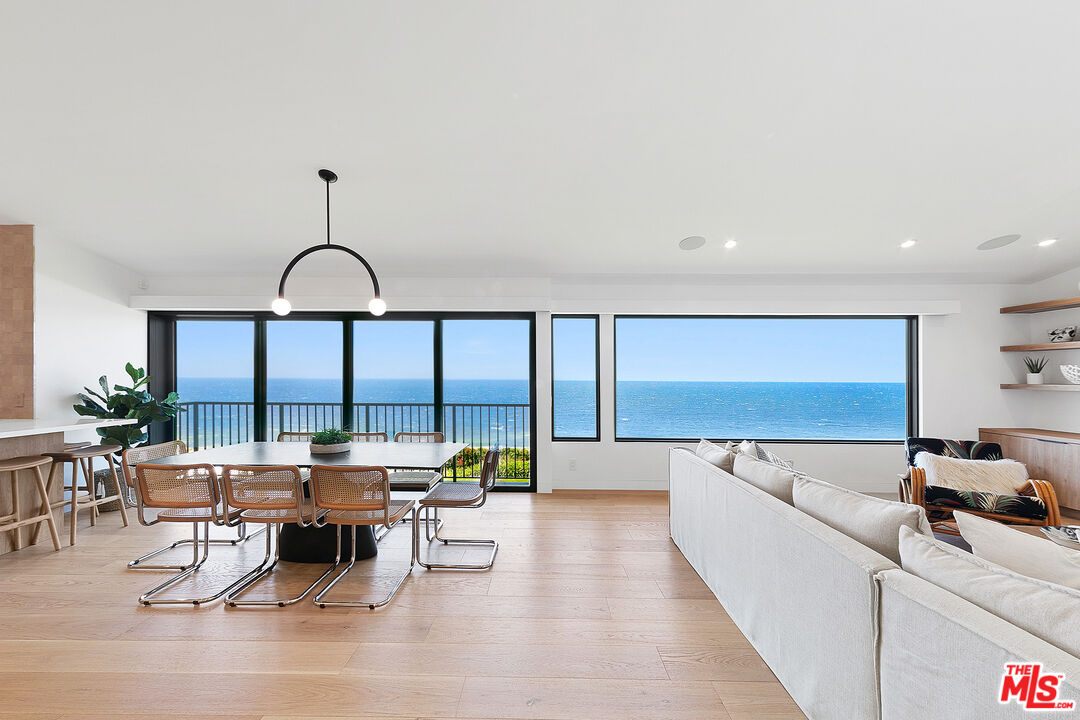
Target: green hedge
[513, 463]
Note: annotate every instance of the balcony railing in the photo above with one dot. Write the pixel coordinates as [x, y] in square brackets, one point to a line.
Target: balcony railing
[205, 424]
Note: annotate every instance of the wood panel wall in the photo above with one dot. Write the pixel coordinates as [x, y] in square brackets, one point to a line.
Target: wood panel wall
[16, 321]
[1049, 455]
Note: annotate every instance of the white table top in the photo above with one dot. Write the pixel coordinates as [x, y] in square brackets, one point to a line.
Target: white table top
[43, 426]
[412, 456]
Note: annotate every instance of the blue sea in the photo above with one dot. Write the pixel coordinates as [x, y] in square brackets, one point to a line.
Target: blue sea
[729, 410]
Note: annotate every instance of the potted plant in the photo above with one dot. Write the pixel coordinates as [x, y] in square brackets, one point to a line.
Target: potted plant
[1035, 367]
[125, 401]
[329, 441]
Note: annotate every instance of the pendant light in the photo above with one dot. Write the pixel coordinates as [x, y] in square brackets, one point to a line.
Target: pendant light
[282, 306]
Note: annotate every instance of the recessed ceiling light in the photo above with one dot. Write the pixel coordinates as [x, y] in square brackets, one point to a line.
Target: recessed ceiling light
[692, 243]
[730, 243]
[910, 242]
[998, 242]
[1047, 242]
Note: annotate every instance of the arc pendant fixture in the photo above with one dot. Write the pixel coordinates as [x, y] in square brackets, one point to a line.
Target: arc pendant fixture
[282, 306]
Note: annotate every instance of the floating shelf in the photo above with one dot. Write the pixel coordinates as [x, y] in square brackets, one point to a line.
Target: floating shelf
[1059, 388]
[1074, 345]
[1045, 306]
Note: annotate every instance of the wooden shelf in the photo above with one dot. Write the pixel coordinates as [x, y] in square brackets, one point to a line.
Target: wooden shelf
[1045, 306]
[1051, 388]
[1037, 434]
[1035, 347]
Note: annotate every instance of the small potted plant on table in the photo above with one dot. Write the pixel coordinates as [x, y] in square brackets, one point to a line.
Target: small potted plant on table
[1035, 367]
[329, 441]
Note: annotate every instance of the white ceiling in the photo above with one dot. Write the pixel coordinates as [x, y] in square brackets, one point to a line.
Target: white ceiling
[545, 138]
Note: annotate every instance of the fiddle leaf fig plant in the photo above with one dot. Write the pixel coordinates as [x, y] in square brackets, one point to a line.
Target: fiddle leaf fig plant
[127, 401]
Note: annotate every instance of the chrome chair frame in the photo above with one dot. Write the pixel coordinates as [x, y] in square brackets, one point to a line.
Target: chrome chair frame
[148, 598]
[487, 481]
[262, 570]
[133, 500]
[320, 598]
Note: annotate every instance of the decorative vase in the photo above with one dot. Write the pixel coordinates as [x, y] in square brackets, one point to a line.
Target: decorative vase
[1032, 379]
[330, 449]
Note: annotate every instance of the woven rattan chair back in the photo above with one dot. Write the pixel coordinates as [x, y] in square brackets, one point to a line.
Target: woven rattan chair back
[285, 436]
[419, 437]
[358, 487]
[269, 487]
[375, 437]
[177, 486]
[490, 469]
[148, 454]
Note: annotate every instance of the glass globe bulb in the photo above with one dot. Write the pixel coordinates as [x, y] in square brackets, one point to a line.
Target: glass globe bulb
[377, 306]
[281, 306]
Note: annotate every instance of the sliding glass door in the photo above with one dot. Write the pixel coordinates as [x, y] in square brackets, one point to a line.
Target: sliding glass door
[303, 376]
[215, 378]
[394, 376]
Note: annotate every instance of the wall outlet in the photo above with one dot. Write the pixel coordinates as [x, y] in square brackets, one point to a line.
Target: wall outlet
[573, 465]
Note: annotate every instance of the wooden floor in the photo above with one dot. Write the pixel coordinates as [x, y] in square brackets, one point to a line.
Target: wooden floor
[590, 612]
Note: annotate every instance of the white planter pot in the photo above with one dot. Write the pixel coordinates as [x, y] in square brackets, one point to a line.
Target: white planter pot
[1035, 378]
[330, 449]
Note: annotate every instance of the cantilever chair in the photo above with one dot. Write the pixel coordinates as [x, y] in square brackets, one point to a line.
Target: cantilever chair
[271, 495]
[286, 436]
[459, 495]
[148, 454]
[358, 496]
[182, 494]
[1033, 504]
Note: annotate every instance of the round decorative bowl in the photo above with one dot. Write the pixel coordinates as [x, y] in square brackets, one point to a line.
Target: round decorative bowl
[330, 449]
[1071, 373]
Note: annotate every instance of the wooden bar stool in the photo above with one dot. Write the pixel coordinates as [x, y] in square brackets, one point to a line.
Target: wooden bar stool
[13, 522]
[84, 458]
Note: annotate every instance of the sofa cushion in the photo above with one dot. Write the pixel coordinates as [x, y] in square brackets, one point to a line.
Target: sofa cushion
[775, 480]
[751, 448]
[874, 522]
[1046, 610]
[1002, 477]
[1025, 506]
[721, 457]
[1022, 553]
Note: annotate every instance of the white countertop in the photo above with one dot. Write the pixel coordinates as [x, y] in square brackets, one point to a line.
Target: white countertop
[39, 426]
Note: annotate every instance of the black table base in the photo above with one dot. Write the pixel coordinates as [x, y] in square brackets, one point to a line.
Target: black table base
[316, 545]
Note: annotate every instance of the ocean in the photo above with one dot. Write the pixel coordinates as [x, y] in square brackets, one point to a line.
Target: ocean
[727, 410]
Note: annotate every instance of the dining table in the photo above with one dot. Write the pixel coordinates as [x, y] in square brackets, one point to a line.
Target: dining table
[312, 544]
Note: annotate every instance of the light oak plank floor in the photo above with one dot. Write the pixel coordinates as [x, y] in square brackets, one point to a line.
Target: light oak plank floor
[589, 613]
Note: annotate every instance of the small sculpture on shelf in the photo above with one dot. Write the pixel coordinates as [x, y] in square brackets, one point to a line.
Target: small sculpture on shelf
[1062, 334]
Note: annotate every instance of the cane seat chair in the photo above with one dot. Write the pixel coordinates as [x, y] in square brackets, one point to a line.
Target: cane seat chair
[460, 495]
[1035, 503]
[148, 454]
[358, 496]
[357, 437]
[82, 458]
[272, 495]
[416, 480]
[14, 521]
[182, 494]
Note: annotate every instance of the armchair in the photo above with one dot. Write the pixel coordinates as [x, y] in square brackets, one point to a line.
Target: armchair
[1033, 504]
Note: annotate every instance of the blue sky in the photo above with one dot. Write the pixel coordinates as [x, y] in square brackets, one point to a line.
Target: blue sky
[684, 349]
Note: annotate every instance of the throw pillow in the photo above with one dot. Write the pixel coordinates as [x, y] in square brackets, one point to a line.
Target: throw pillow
[776, 481]
[1002, 477]
[875, 522]
[1022, 553]
[716, 455]
[1044, 609]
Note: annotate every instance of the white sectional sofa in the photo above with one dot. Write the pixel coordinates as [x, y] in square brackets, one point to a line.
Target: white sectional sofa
[849, 634]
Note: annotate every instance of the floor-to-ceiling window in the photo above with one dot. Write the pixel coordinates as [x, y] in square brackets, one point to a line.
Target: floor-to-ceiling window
[250, 377]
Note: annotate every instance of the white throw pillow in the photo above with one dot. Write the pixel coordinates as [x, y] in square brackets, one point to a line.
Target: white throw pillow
[1001, 477]
[1044, 609]
[872, 521]
[751, 448]
[748, 447]
[712, 453]
[1022, 553]
[774, 480]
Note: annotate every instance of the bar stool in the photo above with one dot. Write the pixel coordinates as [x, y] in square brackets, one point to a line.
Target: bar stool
[13, 522]
[84, 458]
[460, 495]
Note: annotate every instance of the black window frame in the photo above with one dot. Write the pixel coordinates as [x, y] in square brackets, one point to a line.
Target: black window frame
[161, 360]
[596, 349]
[911, 380]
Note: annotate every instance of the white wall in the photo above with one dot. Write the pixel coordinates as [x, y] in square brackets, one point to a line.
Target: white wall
[83, 325]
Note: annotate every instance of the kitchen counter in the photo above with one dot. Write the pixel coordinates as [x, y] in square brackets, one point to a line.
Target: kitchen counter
[23, 428]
